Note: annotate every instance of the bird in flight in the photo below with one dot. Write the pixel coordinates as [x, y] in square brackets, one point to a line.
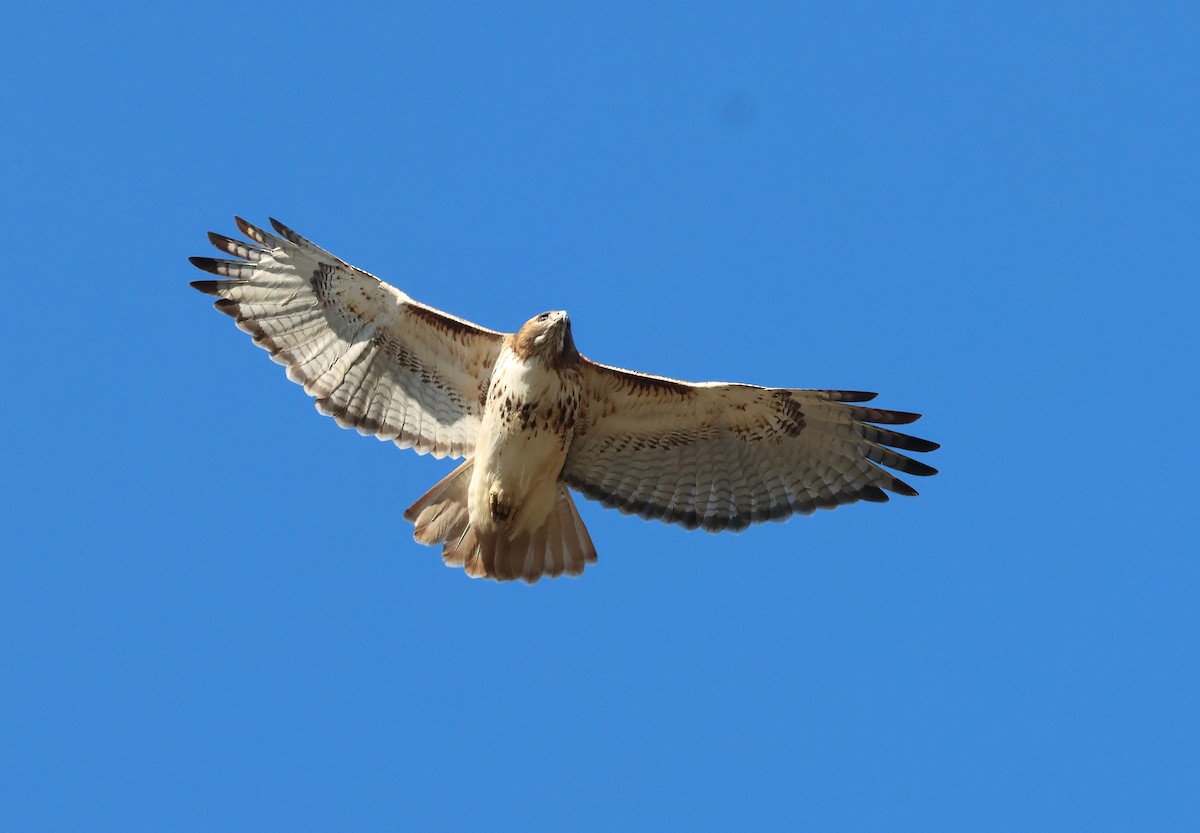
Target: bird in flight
[534, 418]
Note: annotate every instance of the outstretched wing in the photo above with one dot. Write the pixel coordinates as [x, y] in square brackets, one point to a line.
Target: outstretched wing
[373, 358]
[723, 456]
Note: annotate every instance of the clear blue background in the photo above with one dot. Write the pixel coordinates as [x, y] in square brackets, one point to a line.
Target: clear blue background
[212, 615]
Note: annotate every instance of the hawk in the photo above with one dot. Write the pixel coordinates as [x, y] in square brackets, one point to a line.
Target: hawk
[534, 418]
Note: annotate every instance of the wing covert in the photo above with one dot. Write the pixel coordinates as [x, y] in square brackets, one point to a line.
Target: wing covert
[373, 358]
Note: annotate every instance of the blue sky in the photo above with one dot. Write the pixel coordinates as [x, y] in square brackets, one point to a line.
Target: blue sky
[212, 614]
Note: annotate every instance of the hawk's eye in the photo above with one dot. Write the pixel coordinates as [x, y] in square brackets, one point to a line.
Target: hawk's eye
[543, 316]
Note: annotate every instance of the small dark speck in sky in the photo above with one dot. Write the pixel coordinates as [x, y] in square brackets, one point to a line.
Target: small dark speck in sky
[737, 108]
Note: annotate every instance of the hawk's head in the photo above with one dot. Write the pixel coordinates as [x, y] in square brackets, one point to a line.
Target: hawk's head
[548, 337]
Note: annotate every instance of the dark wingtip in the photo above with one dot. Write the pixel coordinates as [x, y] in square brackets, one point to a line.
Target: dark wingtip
[207, 287]
[874, 494]
[227, 306]
[227, 244]
[207, 264]
[857, 396]
[918, 444]
[920, 469]
[288, 234]
[252, 231]
[901, 488]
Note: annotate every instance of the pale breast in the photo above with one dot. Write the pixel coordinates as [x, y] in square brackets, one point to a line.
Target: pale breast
[528, 424]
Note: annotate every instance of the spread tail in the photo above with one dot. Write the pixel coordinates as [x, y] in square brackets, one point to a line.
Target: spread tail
[441, 513]
[561, 545]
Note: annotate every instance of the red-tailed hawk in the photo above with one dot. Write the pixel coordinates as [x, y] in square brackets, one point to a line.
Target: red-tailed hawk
[533, 417]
